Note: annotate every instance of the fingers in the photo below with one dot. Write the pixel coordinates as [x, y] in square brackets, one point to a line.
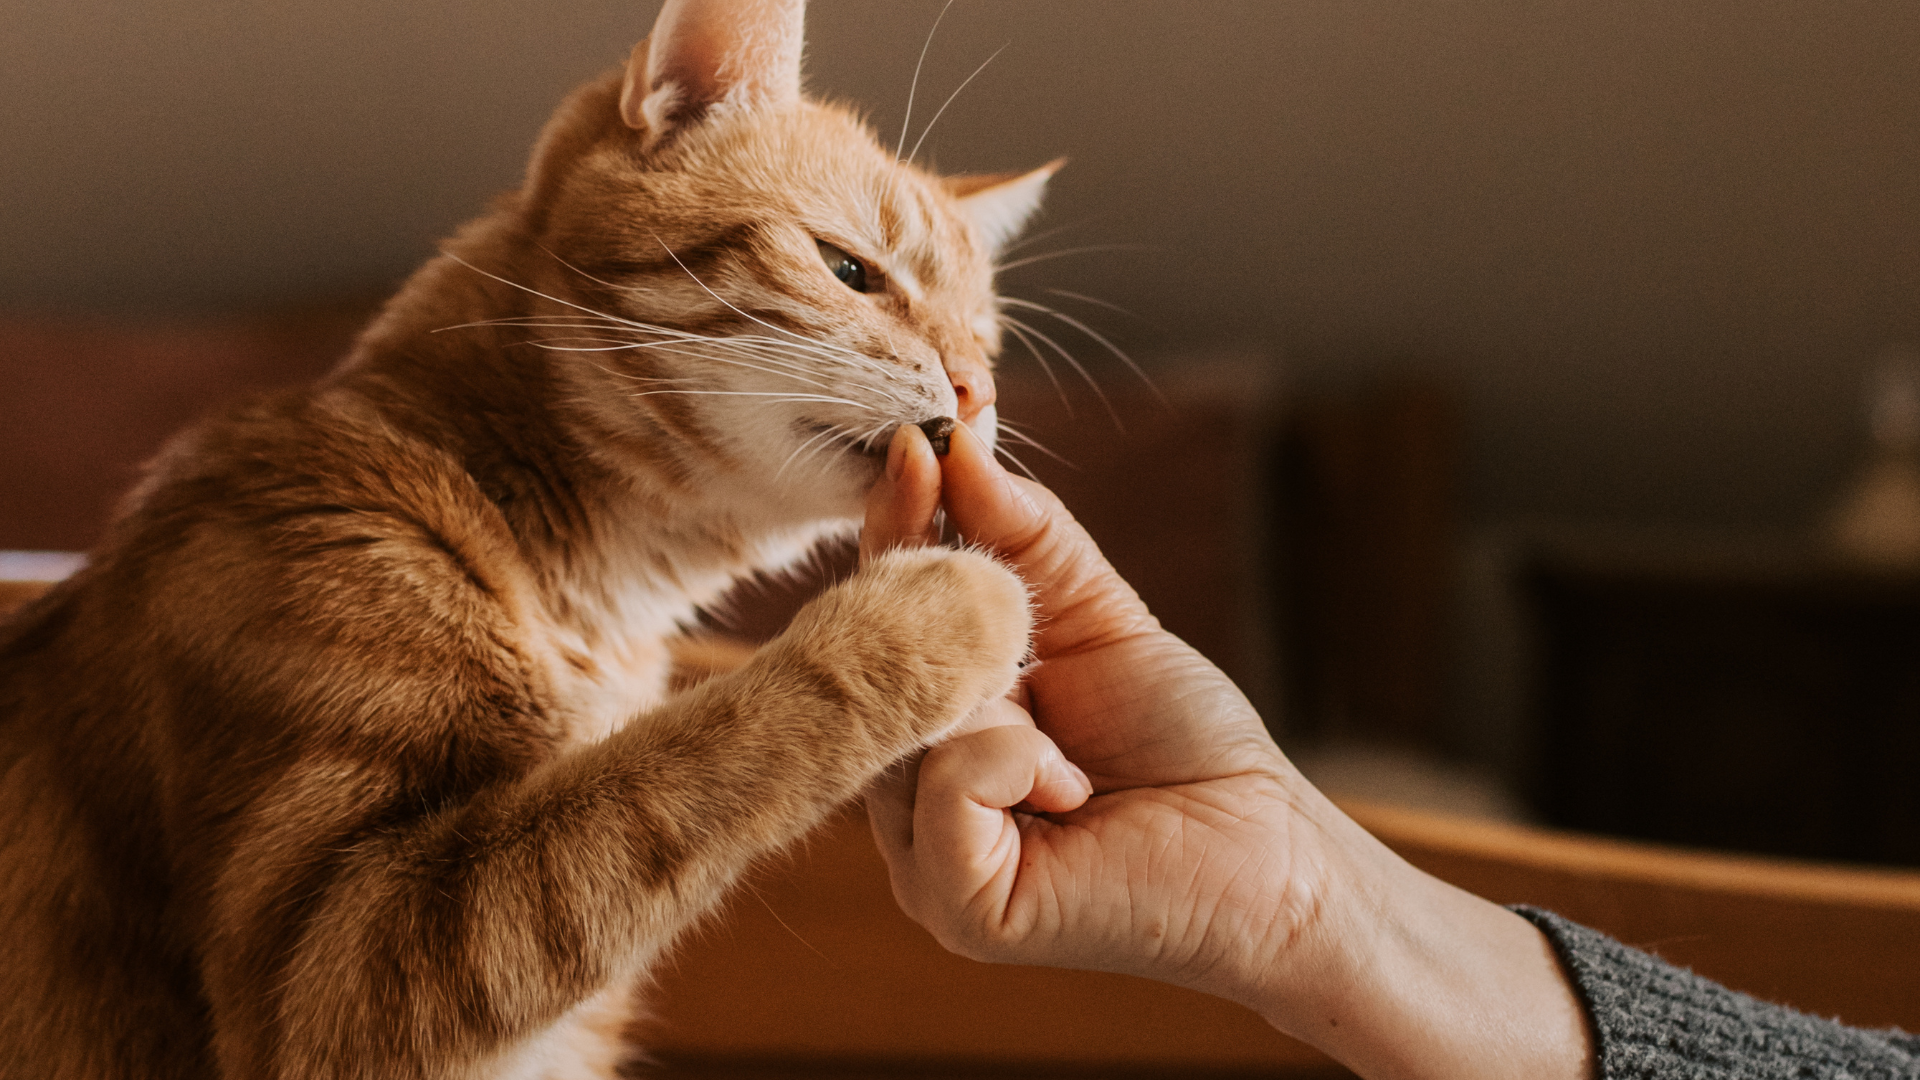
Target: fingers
[964, 838]
[1000, 712]
[976, 777]
[946, 812]
[1082, 601]
[901, 504]
[890, 799]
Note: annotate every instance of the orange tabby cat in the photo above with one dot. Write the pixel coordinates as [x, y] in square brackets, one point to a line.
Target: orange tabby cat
[349, 753]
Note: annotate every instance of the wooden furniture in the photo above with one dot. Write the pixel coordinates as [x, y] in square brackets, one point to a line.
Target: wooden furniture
[1834, 940]
[1765, 701]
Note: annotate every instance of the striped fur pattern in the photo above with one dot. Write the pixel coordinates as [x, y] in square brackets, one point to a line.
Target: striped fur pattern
[350, 752]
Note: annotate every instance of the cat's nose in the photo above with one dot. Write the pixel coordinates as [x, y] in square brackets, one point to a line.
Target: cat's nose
[972, 385]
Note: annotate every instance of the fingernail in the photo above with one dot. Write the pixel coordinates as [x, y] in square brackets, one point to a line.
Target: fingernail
[1073, 772]
[897, 452]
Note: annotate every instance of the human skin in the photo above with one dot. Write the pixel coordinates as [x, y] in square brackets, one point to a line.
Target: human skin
[1128, 811]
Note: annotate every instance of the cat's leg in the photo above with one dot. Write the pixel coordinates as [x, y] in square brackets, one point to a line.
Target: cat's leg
[698, 657]
[440, 952]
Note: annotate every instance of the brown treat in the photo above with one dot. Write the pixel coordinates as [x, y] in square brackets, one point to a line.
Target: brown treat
[939, 433]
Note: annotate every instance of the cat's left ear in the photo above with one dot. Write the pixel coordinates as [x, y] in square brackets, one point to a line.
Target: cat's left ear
[1000, 205]
[705, 55]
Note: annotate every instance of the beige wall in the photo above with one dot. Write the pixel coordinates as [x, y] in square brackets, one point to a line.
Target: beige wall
[1657, 241]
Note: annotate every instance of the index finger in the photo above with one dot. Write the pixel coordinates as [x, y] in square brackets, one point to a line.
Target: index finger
[1083, 603]
[890, 799]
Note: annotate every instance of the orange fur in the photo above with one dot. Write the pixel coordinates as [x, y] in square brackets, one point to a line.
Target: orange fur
[350, 751]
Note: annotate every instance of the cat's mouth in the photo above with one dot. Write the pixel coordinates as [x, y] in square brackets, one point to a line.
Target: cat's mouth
[873, 447]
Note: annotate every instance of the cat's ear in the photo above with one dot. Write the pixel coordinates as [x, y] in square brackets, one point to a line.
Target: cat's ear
[705, 55]
[1001, 204]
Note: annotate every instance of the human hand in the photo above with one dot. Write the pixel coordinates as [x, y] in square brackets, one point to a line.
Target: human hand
[1130, 813]
[1178, 765]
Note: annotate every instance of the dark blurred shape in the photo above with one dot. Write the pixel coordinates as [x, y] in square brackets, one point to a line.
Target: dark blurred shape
[88, 399]
[1370, 506]
[1764, 704]
[1876, 522]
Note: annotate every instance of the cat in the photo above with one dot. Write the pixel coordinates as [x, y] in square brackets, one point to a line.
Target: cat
[349, 752]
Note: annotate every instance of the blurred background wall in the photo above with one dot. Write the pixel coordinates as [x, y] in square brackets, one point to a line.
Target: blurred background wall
[1655, 245]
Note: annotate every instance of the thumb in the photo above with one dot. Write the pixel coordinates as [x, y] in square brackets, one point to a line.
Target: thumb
[1082, 601]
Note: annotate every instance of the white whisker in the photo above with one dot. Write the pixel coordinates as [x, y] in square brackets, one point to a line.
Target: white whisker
[866, 437]
[760, 394]
[1034, 238]
[1018, 464]
[1094, 300]
[906, 122]
[548, 322]
[823, 348]
[729, 305]
[537, 292]
[1013, 431]
[1069, 358]
[1095, 335]
[956, 93]
[667, 346]
[824, 433]
[583, 273]
[1040, 358]
[1091, 249]
[553, 345]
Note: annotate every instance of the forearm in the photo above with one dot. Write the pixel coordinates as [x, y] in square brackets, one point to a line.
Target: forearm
[1408, 978]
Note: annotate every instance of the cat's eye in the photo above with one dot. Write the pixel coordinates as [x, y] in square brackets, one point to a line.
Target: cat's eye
[848, 269]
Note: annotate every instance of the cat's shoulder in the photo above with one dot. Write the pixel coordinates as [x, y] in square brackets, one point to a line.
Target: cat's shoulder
[311, 516]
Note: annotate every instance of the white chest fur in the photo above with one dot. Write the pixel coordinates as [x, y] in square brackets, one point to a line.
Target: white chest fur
[606, 632]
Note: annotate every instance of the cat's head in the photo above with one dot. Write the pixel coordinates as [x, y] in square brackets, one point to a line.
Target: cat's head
[762, 291]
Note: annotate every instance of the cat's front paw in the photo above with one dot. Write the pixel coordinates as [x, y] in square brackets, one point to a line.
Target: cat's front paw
[976, 614]
[934, 632]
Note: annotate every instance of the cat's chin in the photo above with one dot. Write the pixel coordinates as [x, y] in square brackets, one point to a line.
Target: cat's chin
[838, 490]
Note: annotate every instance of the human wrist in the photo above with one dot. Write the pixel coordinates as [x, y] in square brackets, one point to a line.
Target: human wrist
[1325, 975]
[1404, 976]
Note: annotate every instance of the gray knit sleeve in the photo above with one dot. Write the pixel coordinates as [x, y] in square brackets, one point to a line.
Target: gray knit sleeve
[1654, 1021]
